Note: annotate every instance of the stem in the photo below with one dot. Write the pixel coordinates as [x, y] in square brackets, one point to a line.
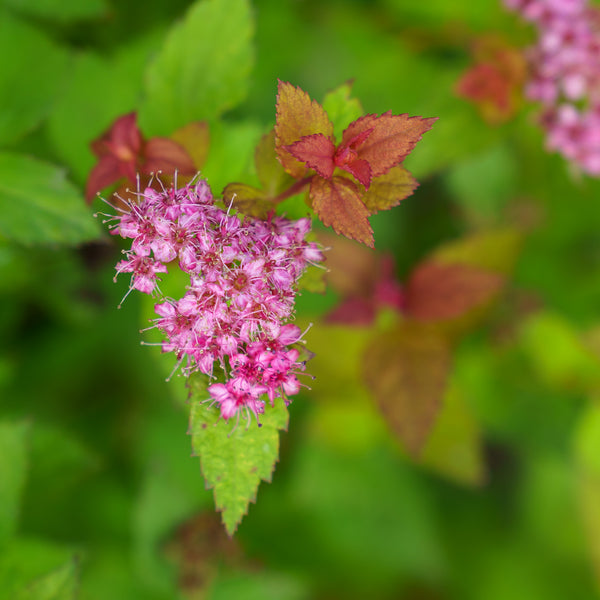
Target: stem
[292, 190]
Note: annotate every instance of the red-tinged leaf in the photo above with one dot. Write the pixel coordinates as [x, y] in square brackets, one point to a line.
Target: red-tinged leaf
[316, 151]
[392, 138]
[337, 203]
[297, 116]
[195, 140]
[247, 200]
[351, 267]
[105, 173]
[440, 292]
[406, 369]
[123, 139]
[352, 311]
[389, 190]
[361, 170]
[167, 156]
[271, 174]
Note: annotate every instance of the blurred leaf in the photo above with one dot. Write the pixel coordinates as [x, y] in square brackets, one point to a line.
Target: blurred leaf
[235, 459]
[483, 184]
[587, 450]
[36, 570]
[27, 84]
[62, 11]
[195, 139]
[341, 108]
[247, 199]
[202, 69]
[60, 584]
[98, 91]
[313, 280]
[454, 447]
[406, 368]
[38, 204]
[494, 250]
[265, 585]
[13, 466]
[438, 292]
[231, 153]
[558, 353]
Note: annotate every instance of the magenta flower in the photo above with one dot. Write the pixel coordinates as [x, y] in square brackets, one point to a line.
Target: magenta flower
[243, 276]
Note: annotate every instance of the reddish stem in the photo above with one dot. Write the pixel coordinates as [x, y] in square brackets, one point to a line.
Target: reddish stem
[292, 190]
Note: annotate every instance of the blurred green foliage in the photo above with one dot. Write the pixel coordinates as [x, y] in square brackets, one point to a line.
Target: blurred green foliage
[99, 494]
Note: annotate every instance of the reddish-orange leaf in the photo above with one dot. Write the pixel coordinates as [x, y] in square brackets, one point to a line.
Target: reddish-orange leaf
[337, 203]
[391, 139]
[389, 190]
[406, 369]
[440, 292]
[316, 151]
[105, 172]
[297, 116]
[166, 156]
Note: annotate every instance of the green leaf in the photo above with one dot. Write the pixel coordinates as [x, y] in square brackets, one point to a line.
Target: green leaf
[341, 108]
[558, 354]
[271, 174]
[389, 190]
[495, 250]
[202, 69]
[98, 91]
[27, 83]
[454, 448]
[13, 466]
[247, 200]
[234, 460]
[60, 584]
[33, 569]
[38, 204]
[62, 11]
[587, 452]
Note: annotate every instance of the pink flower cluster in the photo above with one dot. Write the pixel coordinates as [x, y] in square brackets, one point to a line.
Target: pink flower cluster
[243, 281]
[565, 78]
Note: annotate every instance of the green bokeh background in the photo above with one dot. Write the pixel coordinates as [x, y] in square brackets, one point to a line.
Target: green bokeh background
[99, 496]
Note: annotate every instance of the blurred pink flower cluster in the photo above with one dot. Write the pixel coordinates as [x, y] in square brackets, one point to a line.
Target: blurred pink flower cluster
[243, 281]
[565, 75]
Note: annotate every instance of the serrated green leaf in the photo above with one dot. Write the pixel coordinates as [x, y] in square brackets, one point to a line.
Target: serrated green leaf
[27, 83]
[62, 11]
[234, 460]
[202, 70]
[13, 466]
[341, 108]
[39, 206]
